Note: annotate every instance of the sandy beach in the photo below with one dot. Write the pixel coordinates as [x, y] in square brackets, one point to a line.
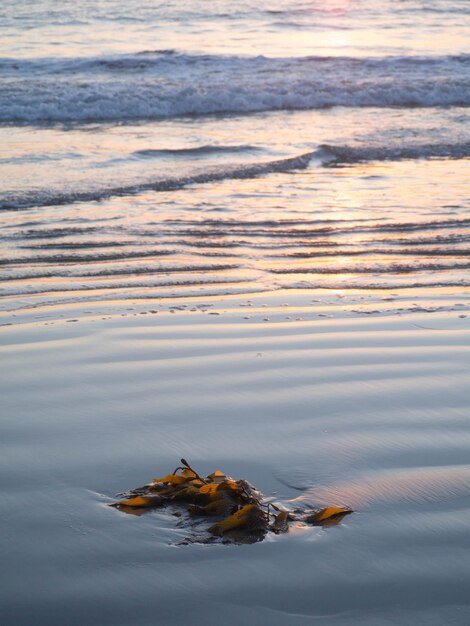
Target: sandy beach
[365, 410]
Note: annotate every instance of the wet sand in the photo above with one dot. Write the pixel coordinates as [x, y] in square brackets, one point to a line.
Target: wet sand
[344, 407]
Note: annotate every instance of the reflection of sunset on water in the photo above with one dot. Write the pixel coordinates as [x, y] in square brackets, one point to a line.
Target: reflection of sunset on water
[335, 228]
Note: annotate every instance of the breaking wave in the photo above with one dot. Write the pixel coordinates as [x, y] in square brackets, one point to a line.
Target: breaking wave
[167, 84]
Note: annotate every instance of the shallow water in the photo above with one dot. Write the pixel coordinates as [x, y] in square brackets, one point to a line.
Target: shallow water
[237, 234]
[363, 218]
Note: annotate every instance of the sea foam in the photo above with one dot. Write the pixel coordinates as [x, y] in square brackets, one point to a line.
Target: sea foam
[159, 85]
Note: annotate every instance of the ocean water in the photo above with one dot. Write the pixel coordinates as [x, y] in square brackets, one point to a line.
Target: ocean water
[239, 233]
[161, 149]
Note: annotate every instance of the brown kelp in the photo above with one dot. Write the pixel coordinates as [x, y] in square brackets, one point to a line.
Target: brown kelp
[235, 510]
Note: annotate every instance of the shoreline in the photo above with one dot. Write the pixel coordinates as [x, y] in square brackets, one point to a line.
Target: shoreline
[296, 305]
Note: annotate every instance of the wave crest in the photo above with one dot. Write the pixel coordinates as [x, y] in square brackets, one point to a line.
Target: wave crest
[159, 85]
[331, 154]
[252, 170]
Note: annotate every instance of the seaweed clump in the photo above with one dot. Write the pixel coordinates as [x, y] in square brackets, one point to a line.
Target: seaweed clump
[236, 511]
